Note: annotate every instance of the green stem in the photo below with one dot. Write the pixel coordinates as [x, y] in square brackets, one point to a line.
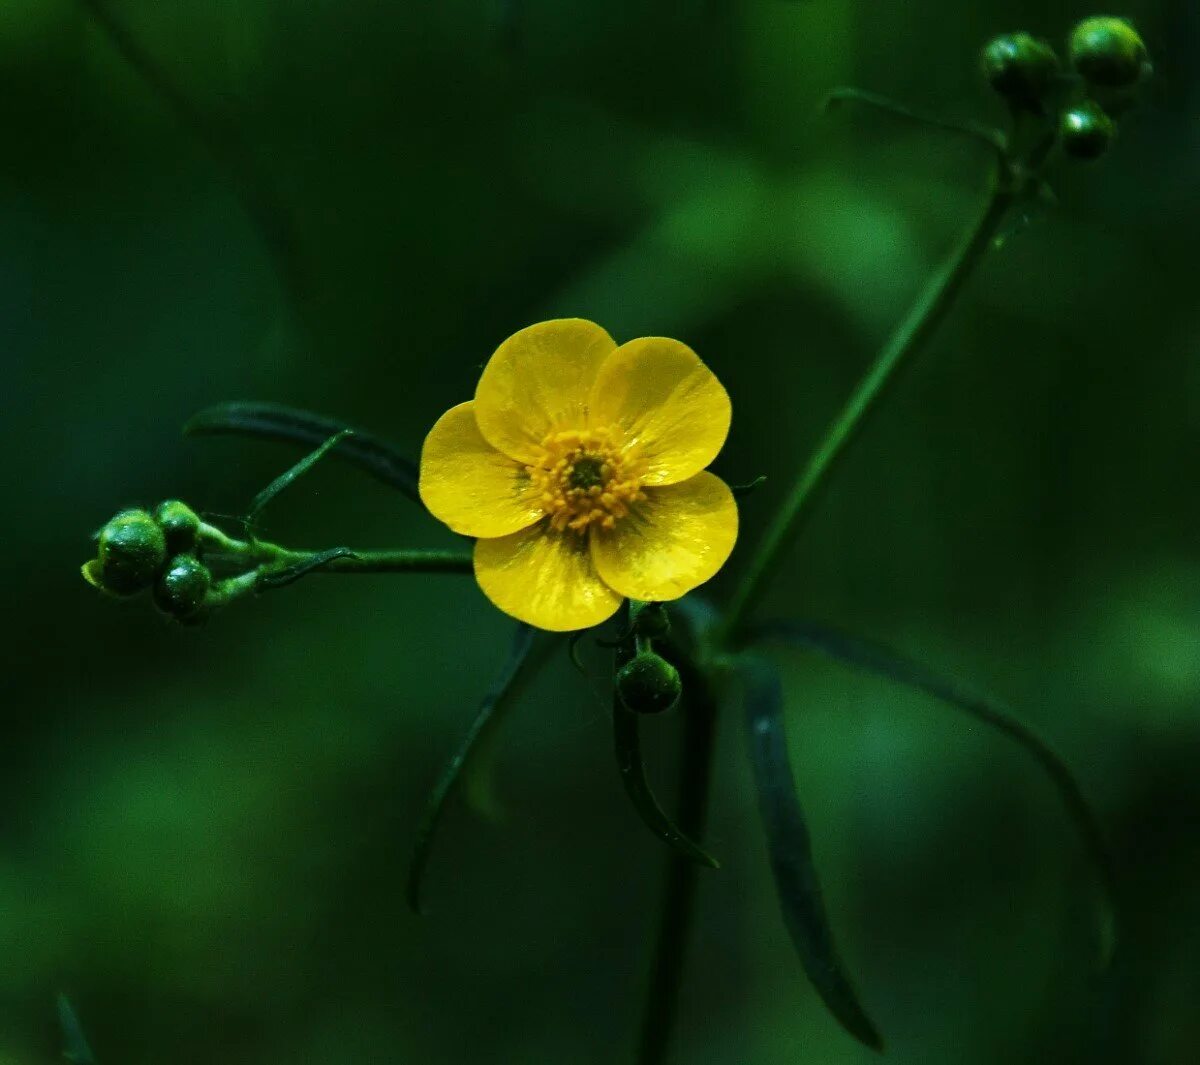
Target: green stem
[697, 742]
[400, 561]
[263, 555]
[989, 137]
[923, 318]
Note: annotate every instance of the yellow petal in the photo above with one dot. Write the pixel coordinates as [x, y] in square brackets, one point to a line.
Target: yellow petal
[539, 381]
[669, 404]
[544, 578]
[469, 485]
[674, 540]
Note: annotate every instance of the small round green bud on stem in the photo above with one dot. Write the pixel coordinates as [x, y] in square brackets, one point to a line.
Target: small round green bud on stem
[179, 523]
[181, 589]
[648, 684]
[1086, 131]
[1109, 52]
[132, 551]
[1021, 68]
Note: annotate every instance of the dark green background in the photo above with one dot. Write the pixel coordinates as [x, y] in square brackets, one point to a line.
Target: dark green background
[203, 833]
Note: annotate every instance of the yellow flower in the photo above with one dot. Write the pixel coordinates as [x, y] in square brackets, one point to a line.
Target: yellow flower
[580, 468]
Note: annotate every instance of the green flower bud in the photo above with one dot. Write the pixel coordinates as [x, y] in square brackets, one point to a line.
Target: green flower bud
[1109, 52]
[1086, 131]
[179, 524]
[1021, 68]
[648, 684]
[132, 551]
[181, 589]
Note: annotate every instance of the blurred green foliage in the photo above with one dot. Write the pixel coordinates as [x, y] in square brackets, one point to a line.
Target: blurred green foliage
[204, 833]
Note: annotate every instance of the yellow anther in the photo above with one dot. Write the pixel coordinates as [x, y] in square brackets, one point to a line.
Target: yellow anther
[583, 480]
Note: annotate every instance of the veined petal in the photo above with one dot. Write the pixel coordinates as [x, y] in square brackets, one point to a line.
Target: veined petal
[469, 485]
[670, 406]
[539, 380]
[674, 540]
[545, 579]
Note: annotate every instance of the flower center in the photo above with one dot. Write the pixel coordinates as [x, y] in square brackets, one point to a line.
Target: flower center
[585, 480]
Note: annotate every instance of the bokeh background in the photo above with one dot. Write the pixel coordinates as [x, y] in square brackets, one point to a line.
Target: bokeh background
[203, 833]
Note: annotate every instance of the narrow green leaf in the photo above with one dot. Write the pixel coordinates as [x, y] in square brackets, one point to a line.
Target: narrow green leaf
[75, 1045]
[882, 661]
[790, 851]
[496, 698]
[281, 578]
[628, 744]
[271, 421]
[292, 475]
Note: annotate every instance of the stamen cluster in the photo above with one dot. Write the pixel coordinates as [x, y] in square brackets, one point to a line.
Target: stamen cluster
[585, 479]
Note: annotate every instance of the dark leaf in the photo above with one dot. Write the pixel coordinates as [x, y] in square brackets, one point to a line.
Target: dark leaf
[495, 699]
[882, 661]
[790, 851]
[274, 422]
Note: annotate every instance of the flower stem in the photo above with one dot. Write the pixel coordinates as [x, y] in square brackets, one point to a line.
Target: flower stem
[266, 557]
[922, 319]
[697, 740]
[398, 561]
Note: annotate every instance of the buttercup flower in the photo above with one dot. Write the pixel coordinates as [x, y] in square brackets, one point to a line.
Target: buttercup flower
[580, 468]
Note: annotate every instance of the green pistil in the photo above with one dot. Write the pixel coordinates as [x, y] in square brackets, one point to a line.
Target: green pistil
[586, 472]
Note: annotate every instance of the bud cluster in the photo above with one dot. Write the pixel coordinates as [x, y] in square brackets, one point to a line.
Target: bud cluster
[647, 683]
[139, 550]
[1108, 63]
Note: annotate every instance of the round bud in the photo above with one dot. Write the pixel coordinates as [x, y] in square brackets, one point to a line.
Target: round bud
[1021, 68]
[1109, 52]
[648, 684]
[179, 524]
[132, 551]
[181, 589]
[1086, 131]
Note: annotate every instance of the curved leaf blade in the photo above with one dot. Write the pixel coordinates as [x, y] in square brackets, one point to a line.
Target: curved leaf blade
[879, 660]
[496, 698]
[272, 421]
[790, 851]
[628, 745]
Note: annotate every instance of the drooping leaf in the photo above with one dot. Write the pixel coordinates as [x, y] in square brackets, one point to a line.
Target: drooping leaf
[75, 1044]
[497, 696]
[628, 745]
[879, 660]
[271, 421]
[790, 851]
[292, 475]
